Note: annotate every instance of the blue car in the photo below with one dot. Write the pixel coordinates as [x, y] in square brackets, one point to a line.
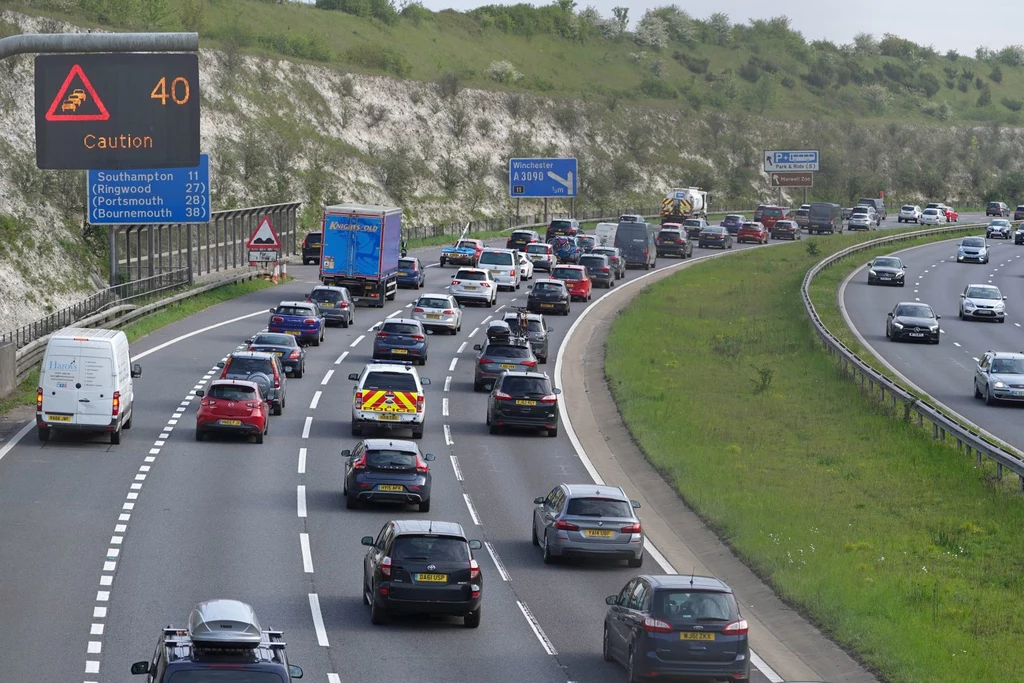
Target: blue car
[411, 273]
[401, 339]
[733, 222]
[301, 319]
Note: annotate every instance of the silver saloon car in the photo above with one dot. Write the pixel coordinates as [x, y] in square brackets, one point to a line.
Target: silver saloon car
[588, 521]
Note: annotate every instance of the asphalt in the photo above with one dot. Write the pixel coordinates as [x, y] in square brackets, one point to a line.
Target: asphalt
[101, 546]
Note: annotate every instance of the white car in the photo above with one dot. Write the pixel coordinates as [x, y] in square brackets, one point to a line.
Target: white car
[474, 284]
[984, 302]
[438, 312]
[909, 213]
[999, 227]
[933, 216]
[388, 396]
[503, 265]
[525, 266]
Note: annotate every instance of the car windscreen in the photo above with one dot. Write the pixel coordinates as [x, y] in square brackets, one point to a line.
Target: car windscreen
[407, 264]
[248, 366]
[496, 258]
[526, 386]
[599, 507]
[390, 458]
[567, 274]
[537, 249]
[470, 275]
[1008, 366]
[914, 312]
[390, 381]
[211, 675]
[230, 392]
[981, 292]
[886, 263]
[680, 606]
[501, 351]
[332, 296]
[400, 328]
[425, 302]
[803, 212]
[294, 310]
[274, 340]
[434, 548]
[932, 212]
[750, 226]
[972, 242]
[548, 287]
[1001, 223]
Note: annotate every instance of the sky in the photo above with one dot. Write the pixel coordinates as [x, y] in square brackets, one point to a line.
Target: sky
[941, 23]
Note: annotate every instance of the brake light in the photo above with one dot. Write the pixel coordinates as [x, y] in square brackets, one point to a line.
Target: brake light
[277, 319]
[418, 310]
[421, 466]
[309, 321]
[456, 282]
[418, 337]
[294, 354]
[115, 404]
[359, 400]
[631, 529]
[550, 398]
[474, 570]
[360, 464]
[512, 273]
[385, 567]
[485, 361]
[382, 335]
[344, 304]
[39, 398]
[652, 625]
[502, 396]
[736, 628]
[566, 526]
[419, 403]
[486, 284]
[250, 406]
[529, 363]
[449, 312]
[606, 270]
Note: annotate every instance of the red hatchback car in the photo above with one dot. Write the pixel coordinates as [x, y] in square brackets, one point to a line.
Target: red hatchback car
[576, 281]
[232, 406]
[952, 215]
[752, 232]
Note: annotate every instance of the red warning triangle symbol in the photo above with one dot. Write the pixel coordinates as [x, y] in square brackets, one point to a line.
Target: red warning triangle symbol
[264, 237]
[73, 103]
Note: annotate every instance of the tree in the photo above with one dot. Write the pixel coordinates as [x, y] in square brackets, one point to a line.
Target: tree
[865, 44]
[764, 92]
[985, 98]
[621, 15]
[719, 22]
[153, 12]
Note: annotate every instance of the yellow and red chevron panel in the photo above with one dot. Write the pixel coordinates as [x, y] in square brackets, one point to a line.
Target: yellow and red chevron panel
[401, 401]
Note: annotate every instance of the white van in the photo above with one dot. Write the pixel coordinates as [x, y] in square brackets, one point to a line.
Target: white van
[85, 383]
[503, 266]
[605, 233]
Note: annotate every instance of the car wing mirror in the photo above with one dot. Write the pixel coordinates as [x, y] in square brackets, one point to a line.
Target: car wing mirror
[140, 668]
[557, 391]
[425, 381]
[294, 671]
[354, 376]
[635, 504]
[200, 393]
[347, 453]
[963, 296]
[475, 545]
[137, 369]
[890, 314]
[220, 364]
[478, 347]
[366, 540]
[539, 500]
[1004, 299]
[429, 457]
[612, 600]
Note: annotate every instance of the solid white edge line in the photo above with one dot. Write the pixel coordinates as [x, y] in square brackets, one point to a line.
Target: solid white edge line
[183, 337]
[763, 667]
[327, 378]
[537, 630]
[472, 510]
[318, 620]
[302, 461]
[316, 400]
[582, 454]
[307, 556]
[456, 468]
[448, 436]
[300, 500]
[306, 426]
[499, 565]
[451, 367]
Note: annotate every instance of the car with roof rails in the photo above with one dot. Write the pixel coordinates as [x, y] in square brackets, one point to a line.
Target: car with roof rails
[302, 319]
[523, 400]
[864, 217]
[887, 270]
[672, 240]
[465, 252]
[588, 521]
[401, 338]
[232, 406]
[265, 369]
[498, 356]
[388, 395]
[932, 216]
[538, 331]
[387, 471]
[785, 230]
[576, 280]
[503, 267]
[224, 642]
[312, 245]
[549, 296]
[999, 376]
[770, 214]
[335, 304]
[438, 312]
[876, 203]
[521, 239]
[411, 273]
[541, 255]
[802, 217]
[422, 567]
[474, 284]
[285, 347]
[614, 255]
[562, 227]
[999, 227]
[997, 209]
[982, 302]
[677, 625]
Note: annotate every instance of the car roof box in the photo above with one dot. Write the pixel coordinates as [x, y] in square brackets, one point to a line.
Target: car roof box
[224, 623]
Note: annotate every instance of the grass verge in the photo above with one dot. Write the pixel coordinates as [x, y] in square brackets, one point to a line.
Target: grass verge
[893, 543]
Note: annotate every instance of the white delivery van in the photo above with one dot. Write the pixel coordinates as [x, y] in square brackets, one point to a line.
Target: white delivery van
[605, 233]
[85, 383]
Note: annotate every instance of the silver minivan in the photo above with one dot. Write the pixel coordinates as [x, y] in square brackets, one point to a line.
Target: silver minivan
[503, 266]
[588, 520]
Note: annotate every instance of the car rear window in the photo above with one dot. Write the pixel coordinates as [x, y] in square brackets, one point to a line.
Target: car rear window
[470, 275]
[773, 213]
[400, 328]
[560, 225]
[435, 548]
[715, 231]
[593, 261]
[537, 249]
[500, 351]
[683, 606]
[390, 458]
[466, 245]
[908, 208]
[692, 223]
[599, 507]
[390, 381]
[326, 295]
[407, 264]
[670, 234]
[274, 339]
[586, 240]
[1020, 207]
[526, 386]
[733, 217]
[803, 212]
[311, 238]
[604, 251]
[531, 325]
[784, 224]
[294, 310]
[547, 287]
[248, 366]
[520, 235]
[496, 258]
[750, 226]
[207, 675]
[424, 302]
[567, 274]
[230, 392]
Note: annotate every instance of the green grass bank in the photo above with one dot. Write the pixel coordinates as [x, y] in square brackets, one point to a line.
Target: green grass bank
[898, 547]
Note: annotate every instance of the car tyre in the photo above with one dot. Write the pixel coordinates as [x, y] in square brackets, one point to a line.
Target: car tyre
[989, 401]
[277, 409]
[424, 505]
[492, 428]
[977, 394]
[533, 533]
[43, 433]
[472, 619]
[1002, 320]
[115, 436]
[377, 614]
[546, 548]
[356, 430]
[635, 562]
[350, 502]
[199, 435]
[259, 437]
[299, 371]
[606, 653]
[553, 432]
[631, 674]
[417, 433]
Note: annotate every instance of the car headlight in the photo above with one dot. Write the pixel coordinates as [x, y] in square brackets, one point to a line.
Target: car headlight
[999, 385]
[999, 305]
[933, 328]
[872, 272]
[968, 303]
[898, 326]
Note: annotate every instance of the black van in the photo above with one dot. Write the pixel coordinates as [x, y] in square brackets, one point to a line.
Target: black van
[636, 242]
[825, 217]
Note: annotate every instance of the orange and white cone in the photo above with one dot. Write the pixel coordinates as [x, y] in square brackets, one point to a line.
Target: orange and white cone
[275, 278]
[284, 270]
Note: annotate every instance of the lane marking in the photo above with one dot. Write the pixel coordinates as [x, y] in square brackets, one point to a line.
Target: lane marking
[447, 382]
[301, 500]
[763, 667]
[462, 347]
[16, 438]
[96, 630]
[451, 368]
[302, 461]
[392, 315]
[473, 332]
[956, 344]
[92, 666]
[183, 337]
[94, 647]
[318, 620]
[537, 630]
[316, 400]
[334, 678]
[305, 427]
[487, 319]
[327, 378]
[497, 561]
[472, 510]
[975, 359]
[456, 467]
[444, 407]
[498, 309]
[341, 358]
[358, 339]
[448, 436]
[307, 557]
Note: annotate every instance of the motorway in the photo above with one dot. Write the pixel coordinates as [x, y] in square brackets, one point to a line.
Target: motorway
[946, 371]
[104, 545]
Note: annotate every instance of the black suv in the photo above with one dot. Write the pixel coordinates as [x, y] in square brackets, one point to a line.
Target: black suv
[265, 369]
[523, 399]
[223, 642]
[548, 295]
[519, 239]
[311, 248]
[997, 209]
[422, 567]
[673, 241]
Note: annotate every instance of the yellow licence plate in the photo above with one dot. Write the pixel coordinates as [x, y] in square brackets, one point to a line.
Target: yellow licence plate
[471, 289]
[432, 578]
[687, 635]
[292, 332]
[598, 533]
[390, 487]
[59, 418]
[388, 416]
[399, 351]
[547, 305]
[506, 366]
[231, 423]
[434, 316]
[326, 304]
[526, 403]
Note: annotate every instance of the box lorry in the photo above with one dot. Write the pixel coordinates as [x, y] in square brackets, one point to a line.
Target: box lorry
[361, 248]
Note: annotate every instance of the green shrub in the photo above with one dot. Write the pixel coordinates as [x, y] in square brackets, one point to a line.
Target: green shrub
[376, 56]
[312, 47]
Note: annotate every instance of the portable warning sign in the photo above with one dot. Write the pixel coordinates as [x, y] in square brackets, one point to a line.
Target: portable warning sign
[263, 244]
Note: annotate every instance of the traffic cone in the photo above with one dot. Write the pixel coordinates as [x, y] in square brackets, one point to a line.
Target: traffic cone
[277, 273]
[284, 270]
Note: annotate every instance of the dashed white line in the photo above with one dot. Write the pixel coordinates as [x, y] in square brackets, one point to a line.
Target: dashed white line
[444, 407]
[356, 342]
[94, 647]
[470, 336]
[472, 510]
[537, 630]
[462, 347]
[499, 308]
[451, 367]
[916, 299]
[305, 427]
[334, 678]
[407, 306]
[1017, 324]
[497, 562]
[448, 436]
[302, 461]
[92, 666]
[488, 318]
[456, 468]
[327, 378]
[956, 344]
[316, 400]
[447, 382]
[392, 315]
[341, 358]
[96, 630]
[99, 612]
[301, 500]
[307, 557]
[318, 620]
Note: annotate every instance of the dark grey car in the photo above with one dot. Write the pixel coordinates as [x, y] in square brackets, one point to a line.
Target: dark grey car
[335, 303]
[912, 321]
[599, 268]
[588, 520]
[495, 359]
[887, 270]
[265, 369]
[537, 329]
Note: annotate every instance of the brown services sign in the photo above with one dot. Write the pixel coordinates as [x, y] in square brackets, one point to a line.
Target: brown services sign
[791, 179]
[117, 111]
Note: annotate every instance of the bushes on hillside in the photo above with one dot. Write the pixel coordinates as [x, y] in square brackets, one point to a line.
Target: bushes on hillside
[384, 10]
[377, 56]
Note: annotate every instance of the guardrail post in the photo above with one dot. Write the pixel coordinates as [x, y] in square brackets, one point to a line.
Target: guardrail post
[150, 264]
[978, 458]
[999, 471]
[935, 430]
[112, 246]
[189, 235]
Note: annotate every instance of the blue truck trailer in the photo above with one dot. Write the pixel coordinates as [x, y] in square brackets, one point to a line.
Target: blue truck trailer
[361, 247]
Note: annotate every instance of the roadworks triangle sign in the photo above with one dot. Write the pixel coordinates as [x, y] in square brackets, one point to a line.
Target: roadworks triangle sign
[77, 100]
[264, 237]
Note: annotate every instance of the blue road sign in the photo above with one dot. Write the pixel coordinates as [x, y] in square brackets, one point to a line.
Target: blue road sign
[542, 178]
[159, 195]
[791, 160]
